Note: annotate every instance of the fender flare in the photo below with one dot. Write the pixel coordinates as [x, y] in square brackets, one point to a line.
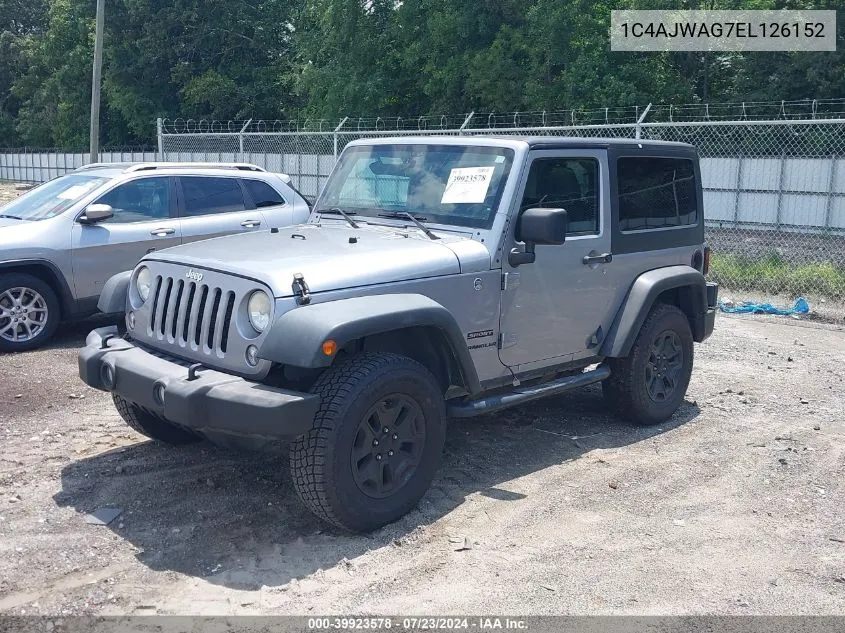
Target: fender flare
[113, 296]
[64, 292]
[296, 337]
[641, 297]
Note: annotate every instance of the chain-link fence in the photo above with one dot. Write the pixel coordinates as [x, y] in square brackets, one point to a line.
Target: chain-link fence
[773, 175]
[774, 188]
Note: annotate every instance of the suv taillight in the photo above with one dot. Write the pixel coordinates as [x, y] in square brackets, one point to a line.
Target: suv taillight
[706, 260]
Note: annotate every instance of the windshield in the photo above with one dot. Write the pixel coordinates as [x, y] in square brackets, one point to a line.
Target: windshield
[444, 184]
[51, 198]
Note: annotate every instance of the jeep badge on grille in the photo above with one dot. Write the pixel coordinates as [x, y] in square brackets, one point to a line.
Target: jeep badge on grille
[192, 274]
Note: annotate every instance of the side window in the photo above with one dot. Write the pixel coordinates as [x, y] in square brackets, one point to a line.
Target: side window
[142, 200]
[262, 194]
[566, 183]
[211, 195]
[656, 193]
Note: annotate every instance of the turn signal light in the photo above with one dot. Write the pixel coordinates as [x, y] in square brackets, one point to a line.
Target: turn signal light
[329, 347]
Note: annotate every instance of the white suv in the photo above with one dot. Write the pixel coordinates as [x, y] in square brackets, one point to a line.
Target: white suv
[61, 241]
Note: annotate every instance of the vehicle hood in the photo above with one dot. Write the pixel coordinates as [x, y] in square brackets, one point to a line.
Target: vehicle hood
[24, 238]
[4, 222]
[332, 257]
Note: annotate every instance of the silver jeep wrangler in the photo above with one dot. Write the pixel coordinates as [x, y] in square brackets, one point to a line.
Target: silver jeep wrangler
[435, 278]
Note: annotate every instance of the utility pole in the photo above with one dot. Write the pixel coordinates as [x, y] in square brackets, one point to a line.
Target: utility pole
[95, 86]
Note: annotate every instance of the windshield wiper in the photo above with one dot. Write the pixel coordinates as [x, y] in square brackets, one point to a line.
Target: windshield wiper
[11, 217]
[337, 211]
[415, 219]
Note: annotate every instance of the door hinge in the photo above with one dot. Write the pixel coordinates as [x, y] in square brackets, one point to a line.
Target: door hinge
[596, 338]
[510, 281]
[507, 339]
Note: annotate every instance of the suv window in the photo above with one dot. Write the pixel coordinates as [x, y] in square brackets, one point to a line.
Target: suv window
[262, 194]
[566, 183]
[656, 193]
[140, 200]
[205, 195]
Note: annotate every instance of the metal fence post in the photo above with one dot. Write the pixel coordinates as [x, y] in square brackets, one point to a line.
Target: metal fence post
[831, 184]
[336, 130]
[466, 122]
[638, 128]
[159, 133]
[780, 188]
[738, 189]
[241, 140]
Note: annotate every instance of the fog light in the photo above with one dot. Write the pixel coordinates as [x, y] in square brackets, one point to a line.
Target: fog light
[130, 320]
[252, 355]
[107, 376]
[158, 394]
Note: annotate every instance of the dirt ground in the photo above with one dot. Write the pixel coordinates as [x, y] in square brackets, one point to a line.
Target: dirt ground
[9, 191]
[735, 506]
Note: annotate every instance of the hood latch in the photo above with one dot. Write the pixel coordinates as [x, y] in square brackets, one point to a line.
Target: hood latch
[300, 289]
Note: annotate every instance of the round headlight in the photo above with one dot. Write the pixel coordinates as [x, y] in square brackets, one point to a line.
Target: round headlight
[143, 282]
[258, 309]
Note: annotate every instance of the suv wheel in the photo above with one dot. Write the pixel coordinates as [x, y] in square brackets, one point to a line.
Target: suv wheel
[649, 384]
[375, 443]
[29, 312]
[151, 425]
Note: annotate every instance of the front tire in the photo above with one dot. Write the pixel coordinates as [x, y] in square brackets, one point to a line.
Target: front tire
[375, 444]
[29, 312]
[647, 386]
[151, 425]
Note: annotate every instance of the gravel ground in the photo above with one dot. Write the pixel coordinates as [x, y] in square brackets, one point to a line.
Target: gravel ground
[8, 191]
[733, 507]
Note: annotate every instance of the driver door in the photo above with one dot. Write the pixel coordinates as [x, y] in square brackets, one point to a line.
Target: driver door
[553, 309]
[144, 221]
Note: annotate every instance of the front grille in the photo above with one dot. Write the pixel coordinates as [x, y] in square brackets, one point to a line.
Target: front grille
[191, 314]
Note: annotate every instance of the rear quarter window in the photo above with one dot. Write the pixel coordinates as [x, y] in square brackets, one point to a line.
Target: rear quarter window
[656, 193]
[262, 194]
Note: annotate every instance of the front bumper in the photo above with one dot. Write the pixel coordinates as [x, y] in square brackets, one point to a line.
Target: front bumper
[212, 402]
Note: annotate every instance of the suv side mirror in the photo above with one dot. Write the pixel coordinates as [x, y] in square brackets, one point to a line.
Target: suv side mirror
[96, 213]
[538, 226]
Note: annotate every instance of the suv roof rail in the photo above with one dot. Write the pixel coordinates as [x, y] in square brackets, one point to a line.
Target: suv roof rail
[100, 166]
[154, 166]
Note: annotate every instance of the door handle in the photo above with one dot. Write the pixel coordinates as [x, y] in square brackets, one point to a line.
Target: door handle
[162, 232]
[250, 224]
[604, 258]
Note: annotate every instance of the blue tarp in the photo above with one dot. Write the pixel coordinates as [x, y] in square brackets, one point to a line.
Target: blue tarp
[799, 307]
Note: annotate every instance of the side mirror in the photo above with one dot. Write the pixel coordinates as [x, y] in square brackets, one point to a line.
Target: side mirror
[96, 213]
[538, 226]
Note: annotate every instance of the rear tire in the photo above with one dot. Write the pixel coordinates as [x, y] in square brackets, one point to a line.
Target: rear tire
[154, 427]
[375, 444]
[29, 312]
[647, 386]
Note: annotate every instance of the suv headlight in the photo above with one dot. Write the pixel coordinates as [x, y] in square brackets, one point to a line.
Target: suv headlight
[143, 282]
[258, 310]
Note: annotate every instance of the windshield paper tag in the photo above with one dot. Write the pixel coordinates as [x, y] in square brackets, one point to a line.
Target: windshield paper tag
[467, 185]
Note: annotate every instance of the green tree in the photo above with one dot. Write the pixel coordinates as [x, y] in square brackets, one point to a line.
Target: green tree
[20, 20]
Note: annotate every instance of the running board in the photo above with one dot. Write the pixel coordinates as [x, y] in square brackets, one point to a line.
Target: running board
[521, 395]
